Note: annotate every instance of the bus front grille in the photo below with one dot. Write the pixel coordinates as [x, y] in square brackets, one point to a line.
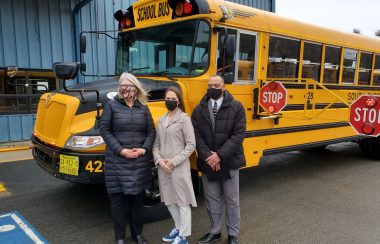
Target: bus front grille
[49, 119]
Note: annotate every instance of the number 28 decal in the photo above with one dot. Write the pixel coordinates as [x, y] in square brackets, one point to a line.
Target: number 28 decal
[94, 166]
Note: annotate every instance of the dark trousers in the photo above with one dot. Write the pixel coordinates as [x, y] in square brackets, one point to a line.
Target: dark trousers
[123, 206]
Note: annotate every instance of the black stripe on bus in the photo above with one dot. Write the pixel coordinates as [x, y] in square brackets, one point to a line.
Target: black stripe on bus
[331, 87]
[308, 145]
[291, 107]
[275, 131]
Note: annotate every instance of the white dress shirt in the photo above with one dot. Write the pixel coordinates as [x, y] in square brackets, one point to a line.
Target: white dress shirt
[219, 102]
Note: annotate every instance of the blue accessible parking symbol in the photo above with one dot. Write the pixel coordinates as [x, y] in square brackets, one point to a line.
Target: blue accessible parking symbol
[15, 229]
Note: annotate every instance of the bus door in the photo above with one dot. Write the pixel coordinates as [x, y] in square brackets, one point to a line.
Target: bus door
[242, 68]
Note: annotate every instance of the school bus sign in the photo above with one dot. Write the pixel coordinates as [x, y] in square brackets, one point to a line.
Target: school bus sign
[365, 115]
[273, 97]
[152, 11]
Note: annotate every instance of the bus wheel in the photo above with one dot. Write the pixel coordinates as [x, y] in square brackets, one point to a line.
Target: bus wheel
[370, 147]
[154, 209]
[196, 181]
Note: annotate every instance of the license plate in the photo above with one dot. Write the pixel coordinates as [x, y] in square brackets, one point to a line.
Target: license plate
[69, 165]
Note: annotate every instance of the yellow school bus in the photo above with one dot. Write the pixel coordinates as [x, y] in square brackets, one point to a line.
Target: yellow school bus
[183, 43]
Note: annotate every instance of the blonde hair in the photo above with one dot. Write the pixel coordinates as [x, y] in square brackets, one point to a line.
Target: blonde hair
[142, 94]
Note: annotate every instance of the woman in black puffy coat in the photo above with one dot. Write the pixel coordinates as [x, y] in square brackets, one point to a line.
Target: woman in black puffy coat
[128, 131]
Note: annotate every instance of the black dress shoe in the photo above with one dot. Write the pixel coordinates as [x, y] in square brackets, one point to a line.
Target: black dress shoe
[209, 238]
[233, 240]
[140, 240]
[120, 241]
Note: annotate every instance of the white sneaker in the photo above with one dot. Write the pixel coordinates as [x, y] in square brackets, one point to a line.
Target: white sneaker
[180, 240]
[171, 236]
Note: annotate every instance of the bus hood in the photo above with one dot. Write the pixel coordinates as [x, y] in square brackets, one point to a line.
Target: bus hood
[108, 88]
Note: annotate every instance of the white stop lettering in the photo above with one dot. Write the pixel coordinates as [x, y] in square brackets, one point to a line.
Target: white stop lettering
[367, 115]
[272, 97]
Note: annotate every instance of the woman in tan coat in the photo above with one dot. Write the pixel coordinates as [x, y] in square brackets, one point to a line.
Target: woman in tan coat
[174, 143]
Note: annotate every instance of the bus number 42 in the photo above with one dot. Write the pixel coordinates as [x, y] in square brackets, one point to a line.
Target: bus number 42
[94, 167]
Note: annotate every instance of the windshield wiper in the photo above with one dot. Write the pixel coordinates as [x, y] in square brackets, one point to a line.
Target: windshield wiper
[140, 68]
[162, 73]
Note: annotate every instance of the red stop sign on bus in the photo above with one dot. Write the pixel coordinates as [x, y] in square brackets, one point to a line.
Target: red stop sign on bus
[365, 115]
[273, 97]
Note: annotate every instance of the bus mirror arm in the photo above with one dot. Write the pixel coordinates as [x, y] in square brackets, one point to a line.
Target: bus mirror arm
[68, 71]
[99, 105]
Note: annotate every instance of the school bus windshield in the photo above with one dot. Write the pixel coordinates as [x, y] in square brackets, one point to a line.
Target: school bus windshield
[178, 49]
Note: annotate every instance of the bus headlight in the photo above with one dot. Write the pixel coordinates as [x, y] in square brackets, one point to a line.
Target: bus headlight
[76, 142]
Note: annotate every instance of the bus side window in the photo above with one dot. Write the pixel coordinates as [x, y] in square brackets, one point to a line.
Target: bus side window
[246, 57]
[311, 63]
[229, 66]
[365, 68]
[332, 61]
[349, 65]
[283, 57]
[376, 72]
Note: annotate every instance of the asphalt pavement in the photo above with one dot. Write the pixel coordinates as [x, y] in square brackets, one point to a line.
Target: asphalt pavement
[313, 196]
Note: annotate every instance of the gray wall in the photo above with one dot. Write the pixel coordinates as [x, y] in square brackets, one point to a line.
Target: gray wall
[268, 5]
[37, 33]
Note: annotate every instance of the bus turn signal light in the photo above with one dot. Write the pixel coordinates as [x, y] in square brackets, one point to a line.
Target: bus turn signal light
[125, 18]
[183, 8]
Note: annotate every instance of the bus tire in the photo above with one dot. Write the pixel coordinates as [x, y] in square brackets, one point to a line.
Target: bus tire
[153, 213]
[370, 147]
[196, 181]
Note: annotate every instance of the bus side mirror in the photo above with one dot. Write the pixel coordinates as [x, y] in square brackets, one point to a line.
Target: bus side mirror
[65, 70]
[83, 47]
[82, 43]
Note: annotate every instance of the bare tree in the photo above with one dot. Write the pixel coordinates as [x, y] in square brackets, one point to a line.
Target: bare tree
[356, 31]
[377, 32]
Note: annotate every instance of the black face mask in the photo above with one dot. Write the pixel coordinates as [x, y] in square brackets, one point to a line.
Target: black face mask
[214, 93]
[171, 105]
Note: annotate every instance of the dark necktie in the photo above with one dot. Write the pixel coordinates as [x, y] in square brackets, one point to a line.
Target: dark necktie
[215, 109]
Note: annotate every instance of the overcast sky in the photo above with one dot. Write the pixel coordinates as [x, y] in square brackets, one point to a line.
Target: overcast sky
[341, 15]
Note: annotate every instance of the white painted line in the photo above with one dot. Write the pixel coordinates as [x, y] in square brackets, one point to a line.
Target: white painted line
[26, 229]
[5, 228]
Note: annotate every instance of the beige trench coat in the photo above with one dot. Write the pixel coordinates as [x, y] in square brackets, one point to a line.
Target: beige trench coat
[175, 142]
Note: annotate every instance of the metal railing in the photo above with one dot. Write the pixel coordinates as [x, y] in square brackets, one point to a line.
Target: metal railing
[310, 111]
[18, 103]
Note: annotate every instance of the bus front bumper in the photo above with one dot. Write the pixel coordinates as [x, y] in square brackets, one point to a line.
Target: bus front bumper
[48, 158]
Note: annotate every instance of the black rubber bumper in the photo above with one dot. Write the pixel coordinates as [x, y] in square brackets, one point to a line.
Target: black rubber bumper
[47, 158]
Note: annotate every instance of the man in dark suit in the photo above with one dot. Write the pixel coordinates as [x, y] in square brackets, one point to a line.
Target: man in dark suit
[219, 125]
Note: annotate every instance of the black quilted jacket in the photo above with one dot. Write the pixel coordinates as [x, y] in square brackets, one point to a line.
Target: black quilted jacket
[124, 127]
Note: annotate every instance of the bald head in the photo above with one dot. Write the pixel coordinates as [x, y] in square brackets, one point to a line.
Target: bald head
[216, 81]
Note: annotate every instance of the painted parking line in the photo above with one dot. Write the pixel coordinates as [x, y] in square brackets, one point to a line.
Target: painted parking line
[15, 160]
[15, 229]
[14, 149]
[2, 188]
[15, 156]
[3, 191]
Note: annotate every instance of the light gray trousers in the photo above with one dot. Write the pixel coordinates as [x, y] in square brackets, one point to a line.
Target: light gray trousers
[182, 218]
[213, 194]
